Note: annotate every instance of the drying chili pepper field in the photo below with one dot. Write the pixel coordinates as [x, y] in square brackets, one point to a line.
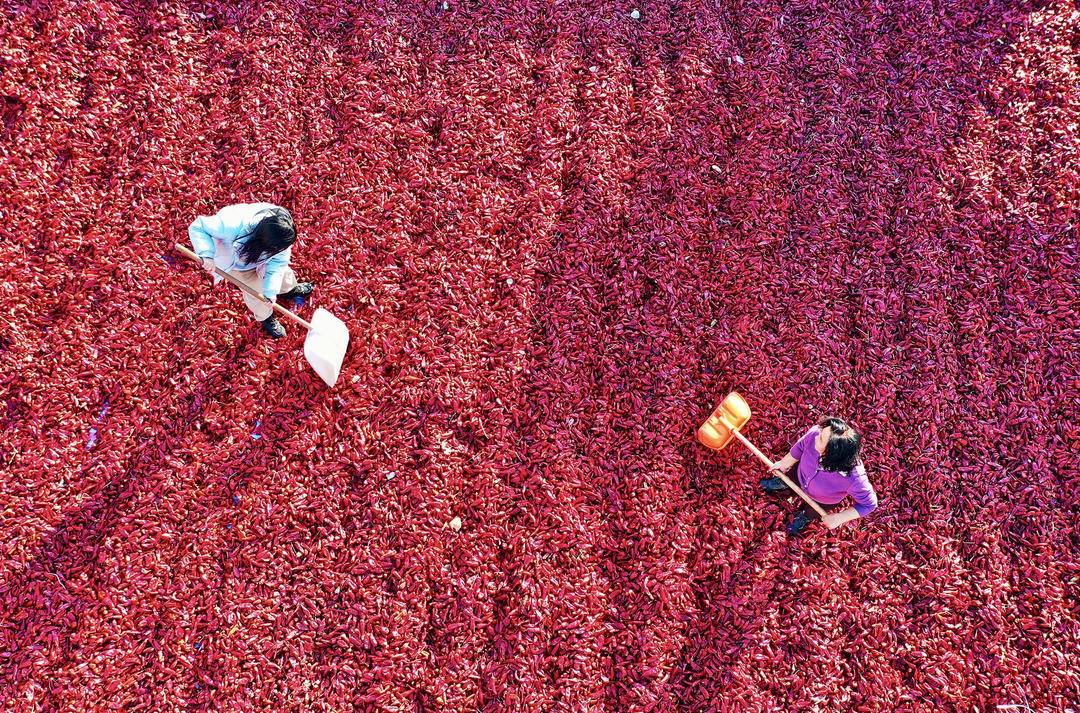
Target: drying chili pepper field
[559, 233]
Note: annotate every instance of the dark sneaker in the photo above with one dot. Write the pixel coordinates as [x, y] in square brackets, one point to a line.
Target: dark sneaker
[798, 524]
[302, 289]
[773, 485]
[273, 327]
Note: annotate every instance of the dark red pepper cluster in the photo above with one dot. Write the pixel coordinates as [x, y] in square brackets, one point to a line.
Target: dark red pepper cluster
[559, 234]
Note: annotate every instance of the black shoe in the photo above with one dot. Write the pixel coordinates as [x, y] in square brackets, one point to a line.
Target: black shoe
[273, 327]
[773, 485]
[302, 289]
[799, 523]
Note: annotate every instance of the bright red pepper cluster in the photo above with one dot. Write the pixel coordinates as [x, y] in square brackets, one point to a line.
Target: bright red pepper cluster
[559, 233]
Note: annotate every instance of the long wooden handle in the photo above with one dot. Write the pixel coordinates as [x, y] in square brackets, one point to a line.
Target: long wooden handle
[787, 481]
[245, 288]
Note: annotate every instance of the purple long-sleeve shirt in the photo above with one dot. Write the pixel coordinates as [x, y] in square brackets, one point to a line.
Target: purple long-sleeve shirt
[829, 486]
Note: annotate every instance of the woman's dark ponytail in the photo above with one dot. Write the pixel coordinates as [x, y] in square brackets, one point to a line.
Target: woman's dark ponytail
[272, 234]
[842, 452]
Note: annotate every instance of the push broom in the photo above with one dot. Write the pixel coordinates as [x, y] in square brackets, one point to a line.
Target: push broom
[723, 426]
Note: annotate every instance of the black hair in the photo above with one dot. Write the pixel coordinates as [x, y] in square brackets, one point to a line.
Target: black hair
[272, 234]
[842, 452]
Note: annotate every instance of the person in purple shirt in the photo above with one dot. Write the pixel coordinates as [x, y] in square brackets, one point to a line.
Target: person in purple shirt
[829, 470]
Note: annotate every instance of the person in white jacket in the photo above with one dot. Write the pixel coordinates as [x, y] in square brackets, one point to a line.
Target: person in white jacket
[253, 243]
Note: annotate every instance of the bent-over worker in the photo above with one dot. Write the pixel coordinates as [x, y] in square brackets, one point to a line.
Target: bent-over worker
[253, 243]
[829, 470]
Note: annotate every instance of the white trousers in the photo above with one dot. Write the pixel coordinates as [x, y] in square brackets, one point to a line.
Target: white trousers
[260, 309]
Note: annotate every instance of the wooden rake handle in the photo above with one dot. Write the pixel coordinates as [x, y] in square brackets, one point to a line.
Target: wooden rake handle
[245, 288]
[787, 481]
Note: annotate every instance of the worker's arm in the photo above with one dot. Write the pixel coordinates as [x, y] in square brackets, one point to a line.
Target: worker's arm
[275, 272]
[836, 519]
[862, 492]
[784, 464]
[202, 233]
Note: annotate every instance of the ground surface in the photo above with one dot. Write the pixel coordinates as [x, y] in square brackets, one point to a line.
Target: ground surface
[559, 236]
